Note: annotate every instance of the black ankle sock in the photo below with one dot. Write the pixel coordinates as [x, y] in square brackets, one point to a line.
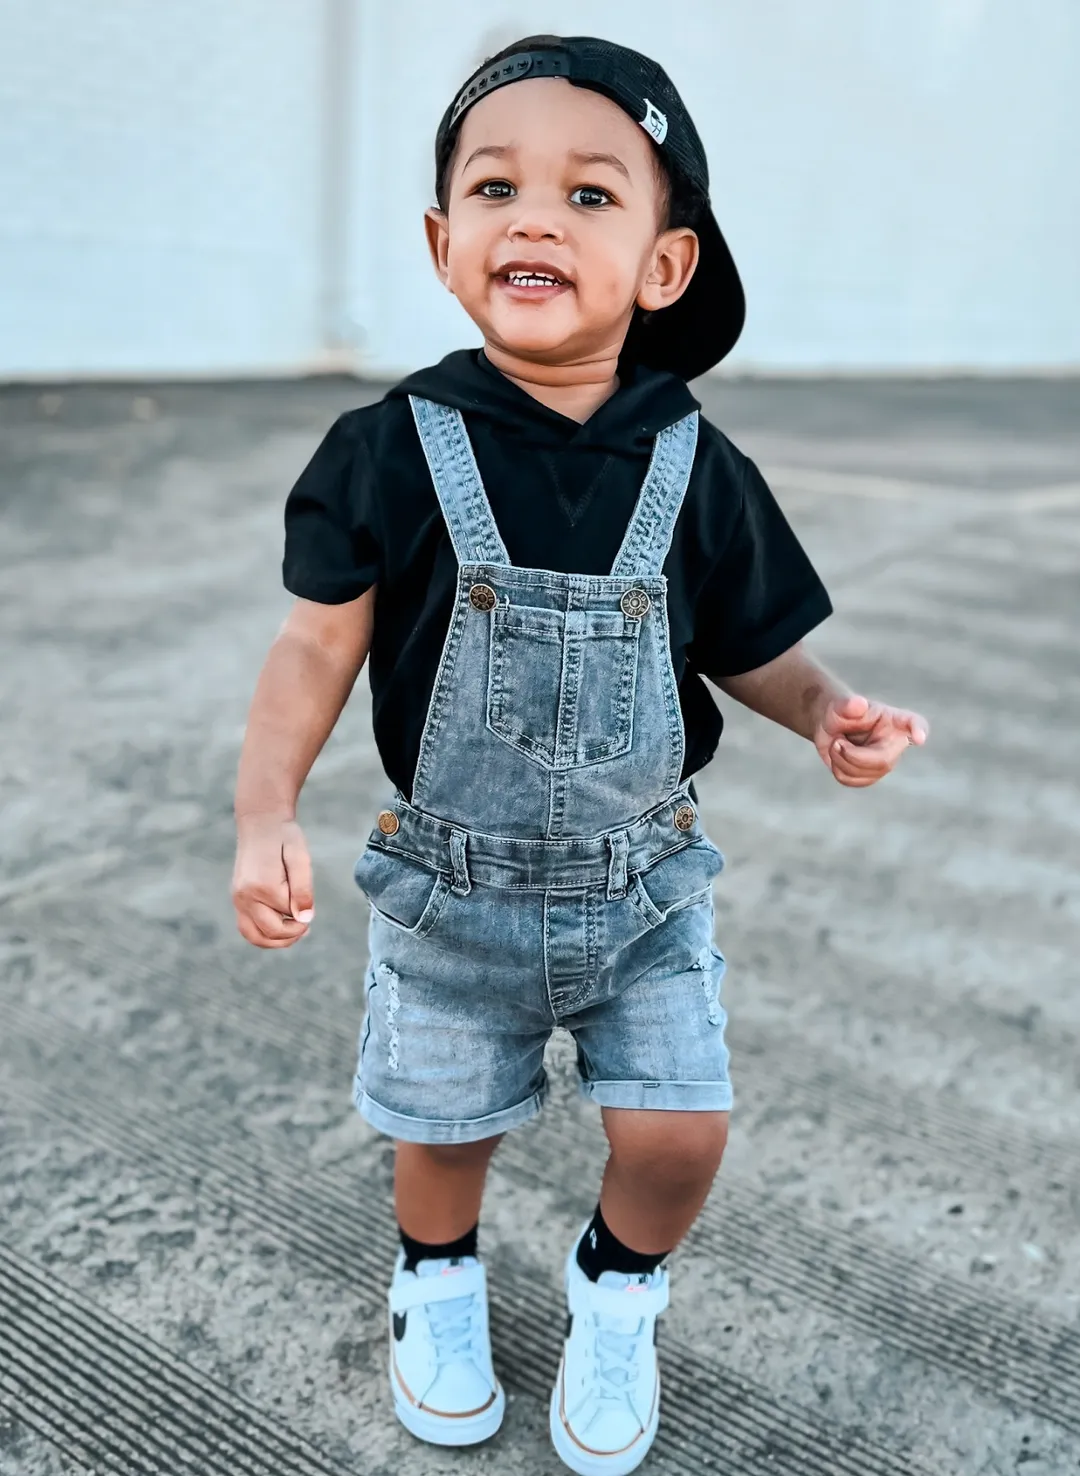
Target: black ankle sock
[421, 1250]
[599, 1250]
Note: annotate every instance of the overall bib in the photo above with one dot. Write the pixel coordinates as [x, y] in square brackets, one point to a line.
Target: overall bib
[550, 868]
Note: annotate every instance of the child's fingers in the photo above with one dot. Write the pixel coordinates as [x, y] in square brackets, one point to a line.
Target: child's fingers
[274, 924]
[267, 923]
[855, 781]
[249, 931]
[848, 771]
[300, 880]
[917, 727]
[851, 715]
[848, 774]
[853, 709]
[863, 757]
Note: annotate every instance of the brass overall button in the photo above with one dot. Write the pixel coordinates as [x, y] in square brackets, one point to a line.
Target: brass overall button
[635, 603]
[685, 816]
[482, 597]
[388, 822]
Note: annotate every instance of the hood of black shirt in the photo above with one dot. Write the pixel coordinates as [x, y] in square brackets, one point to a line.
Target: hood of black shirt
[647, 401]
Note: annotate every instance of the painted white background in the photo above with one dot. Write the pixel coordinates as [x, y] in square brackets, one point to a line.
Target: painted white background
[160, 184]
[216, 186]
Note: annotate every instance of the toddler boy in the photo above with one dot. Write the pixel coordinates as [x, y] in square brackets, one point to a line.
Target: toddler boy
[544, 548]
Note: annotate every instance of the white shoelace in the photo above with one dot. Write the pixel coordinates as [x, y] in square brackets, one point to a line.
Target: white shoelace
[452, 1329]
[614, 1378]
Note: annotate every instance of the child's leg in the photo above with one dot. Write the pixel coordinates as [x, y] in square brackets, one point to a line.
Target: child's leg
[659, 1174]
[441, 1375]
[606, 1401]
[438, 1188]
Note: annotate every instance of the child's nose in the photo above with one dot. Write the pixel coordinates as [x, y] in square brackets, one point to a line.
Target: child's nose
[536, 225]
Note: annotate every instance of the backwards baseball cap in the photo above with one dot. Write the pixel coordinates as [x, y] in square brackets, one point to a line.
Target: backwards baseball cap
[699, 329]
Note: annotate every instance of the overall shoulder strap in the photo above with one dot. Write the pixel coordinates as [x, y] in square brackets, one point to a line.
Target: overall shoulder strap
[648, 534]
[457, 483]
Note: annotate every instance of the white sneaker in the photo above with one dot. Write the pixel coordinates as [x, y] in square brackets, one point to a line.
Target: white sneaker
[445, 1389]
[605, 1407]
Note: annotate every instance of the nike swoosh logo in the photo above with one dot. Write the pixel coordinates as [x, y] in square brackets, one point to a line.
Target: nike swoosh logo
[399, 1325]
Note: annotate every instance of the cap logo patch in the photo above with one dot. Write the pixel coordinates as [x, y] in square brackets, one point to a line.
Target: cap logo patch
[654, 122]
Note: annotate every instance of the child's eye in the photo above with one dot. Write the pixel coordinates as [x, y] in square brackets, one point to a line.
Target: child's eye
[590, 196]
[495, 189]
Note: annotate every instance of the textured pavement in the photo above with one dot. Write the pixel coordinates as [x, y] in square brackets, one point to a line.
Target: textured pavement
[195, 1228]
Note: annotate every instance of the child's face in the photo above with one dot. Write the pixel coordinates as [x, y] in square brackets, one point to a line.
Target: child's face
[556, 180]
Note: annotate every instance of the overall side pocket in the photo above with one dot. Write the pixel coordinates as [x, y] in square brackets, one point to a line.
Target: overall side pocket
[676, 881]
[402, 892]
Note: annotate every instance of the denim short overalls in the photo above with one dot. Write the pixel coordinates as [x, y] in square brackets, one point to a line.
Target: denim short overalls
[551, 868]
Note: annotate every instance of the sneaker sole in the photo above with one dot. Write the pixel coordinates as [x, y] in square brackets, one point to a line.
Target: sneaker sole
[437, 1429]
[583, 1461]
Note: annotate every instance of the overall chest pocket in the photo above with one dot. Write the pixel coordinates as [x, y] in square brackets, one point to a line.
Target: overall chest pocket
[561, 684]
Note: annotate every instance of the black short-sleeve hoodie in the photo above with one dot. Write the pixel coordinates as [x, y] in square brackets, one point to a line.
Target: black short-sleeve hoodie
[741, 590]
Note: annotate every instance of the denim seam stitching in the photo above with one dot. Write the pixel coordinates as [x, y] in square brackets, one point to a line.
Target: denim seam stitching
[486, 537]
[439, 696]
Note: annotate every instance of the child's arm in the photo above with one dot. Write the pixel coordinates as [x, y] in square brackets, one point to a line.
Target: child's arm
[304, 684]
[859, 740]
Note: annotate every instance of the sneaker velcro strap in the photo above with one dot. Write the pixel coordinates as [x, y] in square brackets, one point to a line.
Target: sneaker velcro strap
[611, 1301]
[422, 1291]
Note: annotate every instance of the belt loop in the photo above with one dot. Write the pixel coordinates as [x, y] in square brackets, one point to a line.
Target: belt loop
[619, 846]
[462, 883]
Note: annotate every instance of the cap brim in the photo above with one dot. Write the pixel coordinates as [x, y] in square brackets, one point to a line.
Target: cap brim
[697, 332]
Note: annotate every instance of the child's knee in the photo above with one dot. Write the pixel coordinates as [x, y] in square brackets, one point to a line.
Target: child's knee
[668, 1147]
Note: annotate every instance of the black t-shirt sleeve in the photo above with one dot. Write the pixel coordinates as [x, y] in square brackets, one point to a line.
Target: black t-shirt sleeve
[763, 594]
[331, 526]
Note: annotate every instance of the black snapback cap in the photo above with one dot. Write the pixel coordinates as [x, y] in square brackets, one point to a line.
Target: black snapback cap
[699, 330]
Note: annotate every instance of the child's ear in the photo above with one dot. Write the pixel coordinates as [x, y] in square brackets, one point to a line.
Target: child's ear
[675, 258]
[437, 229]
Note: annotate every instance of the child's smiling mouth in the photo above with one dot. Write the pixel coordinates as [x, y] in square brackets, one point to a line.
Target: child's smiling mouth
[531, 281]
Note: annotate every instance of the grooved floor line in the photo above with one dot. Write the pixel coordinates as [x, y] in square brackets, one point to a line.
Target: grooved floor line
[926, 1125]
[98, 1389]
[340, 1237]
[998, 1347]
[999, 1146]
[976, 1335]
[75, 1437]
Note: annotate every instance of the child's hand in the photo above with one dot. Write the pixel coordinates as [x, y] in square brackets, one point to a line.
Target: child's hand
[861, 741]
[272, 887]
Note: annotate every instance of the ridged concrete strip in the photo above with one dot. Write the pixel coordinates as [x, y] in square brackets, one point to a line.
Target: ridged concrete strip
[24, 1449]
[329, 1231]
[996, 1345]
[992, 1144]
[109, 1396]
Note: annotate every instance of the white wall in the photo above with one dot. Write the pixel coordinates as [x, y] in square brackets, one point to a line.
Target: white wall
[898, 179]
[216, 186]
[160, 185]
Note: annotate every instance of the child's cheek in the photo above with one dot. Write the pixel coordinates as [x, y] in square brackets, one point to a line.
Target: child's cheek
[607, 292]
[461, 254]
[459, 278]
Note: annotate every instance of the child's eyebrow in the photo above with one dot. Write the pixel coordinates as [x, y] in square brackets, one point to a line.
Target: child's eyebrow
[594, 158]
[579, 156]
[490, 151]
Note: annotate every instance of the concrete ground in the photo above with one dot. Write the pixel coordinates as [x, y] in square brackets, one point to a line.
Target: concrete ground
[195, 1228]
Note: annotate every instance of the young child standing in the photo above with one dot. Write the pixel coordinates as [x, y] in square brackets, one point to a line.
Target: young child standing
[544, 548]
